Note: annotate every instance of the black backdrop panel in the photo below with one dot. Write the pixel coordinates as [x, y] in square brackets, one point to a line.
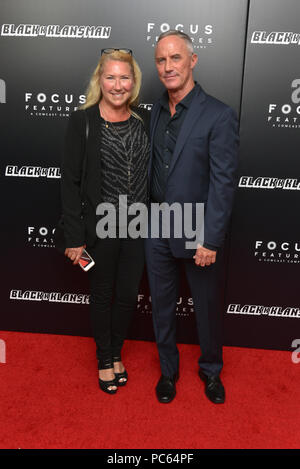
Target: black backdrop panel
[262, 304]
[48, 52]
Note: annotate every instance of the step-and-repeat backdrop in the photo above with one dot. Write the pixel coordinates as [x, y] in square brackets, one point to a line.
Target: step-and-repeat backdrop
[262, 296]
[248, 53]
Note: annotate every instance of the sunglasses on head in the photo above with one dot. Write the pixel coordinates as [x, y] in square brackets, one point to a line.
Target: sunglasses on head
[111, 50]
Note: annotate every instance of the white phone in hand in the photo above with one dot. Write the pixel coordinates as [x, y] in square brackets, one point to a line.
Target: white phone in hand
[85, 261]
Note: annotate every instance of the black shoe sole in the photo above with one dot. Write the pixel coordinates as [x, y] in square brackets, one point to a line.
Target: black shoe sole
[165, 401]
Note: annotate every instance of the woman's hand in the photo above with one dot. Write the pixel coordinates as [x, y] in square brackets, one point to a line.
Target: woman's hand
[74, 253]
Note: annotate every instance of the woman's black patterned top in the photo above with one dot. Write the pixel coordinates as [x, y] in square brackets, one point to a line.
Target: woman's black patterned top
[124, 172]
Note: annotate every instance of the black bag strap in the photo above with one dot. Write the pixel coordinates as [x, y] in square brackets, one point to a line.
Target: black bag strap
[84, 163]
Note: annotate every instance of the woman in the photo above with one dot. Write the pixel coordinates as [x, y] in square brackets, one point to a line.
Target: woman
[116, 164]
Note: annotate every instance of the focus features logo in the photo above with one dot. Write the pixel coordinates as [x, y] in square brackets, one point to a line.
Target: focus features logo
[41, 104]
[40, 237]
[184, 306]
[279, 252]
[201, 35]
[286, 115]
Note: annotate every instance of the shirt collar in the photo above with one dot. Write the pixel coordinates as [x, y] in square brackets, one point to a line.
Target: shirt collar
[185, 102]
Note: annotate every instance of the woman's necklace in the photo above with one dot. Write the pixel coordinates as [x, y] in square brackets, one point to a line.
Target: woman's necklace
[128, 154]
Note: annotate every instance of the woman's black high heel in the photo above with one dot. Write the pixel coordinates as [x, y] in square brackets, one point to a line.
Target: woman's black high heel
[120, 376]
[104, 364]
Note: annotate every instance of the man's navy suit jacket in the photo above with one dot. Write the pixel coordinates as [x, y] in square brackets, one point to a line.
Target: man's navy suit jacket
[203, 167]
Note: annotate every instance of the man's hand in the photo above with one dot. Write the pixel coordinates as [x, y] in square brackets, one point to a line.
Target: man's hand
[204, 256]
[74, 253]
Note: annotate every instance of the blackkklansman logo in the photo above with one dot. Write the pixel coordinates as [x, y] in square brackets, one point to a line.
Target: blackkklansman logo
[286, 115]
[33, 172]
[261, 310]
[201, 35]
[54, 104]
[148, 106]
[269, 183]
[279, 38]
[280, 252]
[51, 297]
[56, 31]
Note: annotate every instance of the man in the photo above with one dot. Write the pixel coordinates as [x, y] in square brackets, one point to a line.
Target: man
[194, 141]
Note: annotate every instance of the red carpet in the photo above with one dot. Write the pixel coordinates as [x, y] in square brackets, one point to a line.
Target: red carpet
[50, 399]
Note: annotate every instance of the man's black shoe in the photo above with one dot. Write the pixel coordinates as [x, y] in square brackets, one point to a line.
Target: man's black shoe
[166, 389]
[214, 388]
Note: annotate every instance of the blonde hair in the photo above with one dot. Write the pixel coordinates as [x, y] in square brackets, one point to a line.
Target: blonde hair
[93, 92]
